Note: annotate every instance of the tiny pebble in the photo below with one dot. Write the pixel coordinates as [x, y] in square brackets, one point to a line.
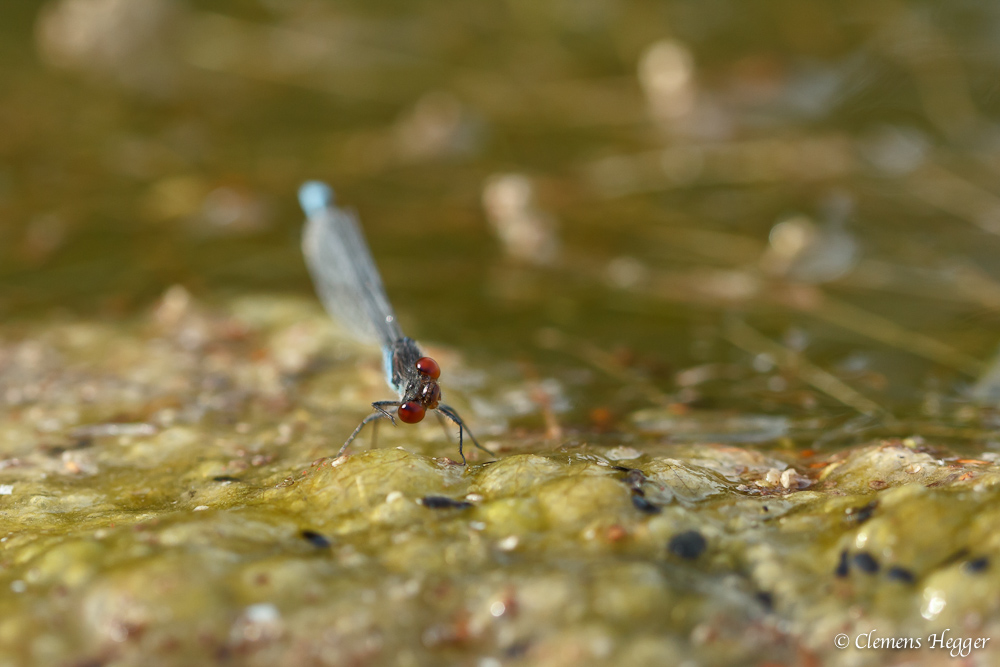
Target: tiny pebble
[201, 508]
[262, 612]
[690, 544]
[508, 543]
[623, 454]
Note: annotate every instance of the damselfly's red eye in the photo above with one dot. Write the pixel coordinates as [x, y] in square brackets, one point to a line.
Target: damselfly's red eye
[429, 367]
[411, 412]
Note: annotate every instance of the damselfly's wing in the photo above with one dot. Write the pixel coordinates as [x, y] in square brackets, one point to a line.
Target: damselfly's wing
[343, 270]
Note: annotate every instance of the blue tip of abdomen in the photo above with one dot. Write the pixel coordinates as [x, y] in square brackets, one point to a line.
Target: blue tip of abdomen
[315, 196]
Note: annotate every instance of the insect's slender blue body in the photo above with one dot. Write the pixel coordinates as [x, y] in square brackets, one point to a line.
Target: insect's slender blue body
[349, 285]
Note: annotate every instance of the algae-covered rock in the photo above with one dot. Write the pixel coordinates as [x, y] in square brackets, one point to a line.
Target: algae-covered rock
[185, 509]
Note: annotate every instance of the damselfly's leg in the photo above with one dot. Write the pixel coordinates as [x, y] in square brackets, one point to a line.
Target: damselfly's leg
[380, 406]
[370, 418]
[380, 411]
[450, 413]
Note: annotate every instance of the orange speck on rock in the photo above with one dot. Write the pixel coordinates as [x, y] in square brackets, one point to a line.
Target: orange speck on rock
[616, 533]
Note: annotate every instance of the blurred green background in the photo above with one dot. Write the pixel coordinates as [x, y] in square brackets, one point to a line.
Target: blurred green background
[772, 207]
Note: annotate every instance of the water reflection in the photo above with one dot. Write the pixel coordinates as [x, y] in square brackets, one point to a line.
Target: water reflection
[721, 176]
[122, 41]
[526, 232]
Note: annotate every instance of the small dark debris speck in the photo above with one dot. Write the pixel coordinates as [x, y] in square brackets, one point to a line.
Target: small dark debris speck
[225, 478]
[444, 503]
[315, 539]
[977, 565]
[634, 479]
[866, 562]
[690, 544]
[863, 513]
[643, 505]
[765, 599]
[518, 649]
[58, 450]
[843, 565]
[897, 573]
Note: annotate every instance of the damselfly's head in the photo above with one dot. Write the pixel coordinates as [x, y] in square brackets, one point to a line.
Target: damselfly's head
[422, 395]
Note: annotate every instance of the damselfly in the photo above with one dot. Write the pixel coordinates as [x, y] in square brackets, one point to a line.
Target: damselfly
[351, 289]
